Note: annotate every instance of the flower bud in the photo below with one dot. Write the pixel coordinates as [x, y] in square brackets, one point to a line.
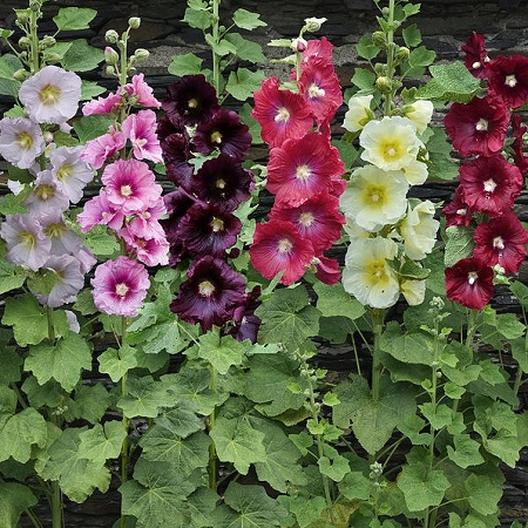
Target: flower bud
[383, 84]
[141, 54]
[20, 75]
[111, 36]
[403, 53]
[22, 15]
[313, 24]
[299, 44]
[47, 42]
[385, 11]
[380, 69]
[110, 70]
[48, 136]
[134, 22]
[24, 42]
[378, 38]
[53, 58]
[111, 55]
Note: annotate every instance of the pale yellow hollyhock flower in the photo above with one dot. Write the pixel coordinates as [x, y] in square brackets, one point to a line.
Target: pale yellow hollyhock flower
[375, 198]
[368, 275]
[419, 229]
[353, 231]
[413, 291]
[390, 144]
[420, 113]
[416, 172]
[358, 113]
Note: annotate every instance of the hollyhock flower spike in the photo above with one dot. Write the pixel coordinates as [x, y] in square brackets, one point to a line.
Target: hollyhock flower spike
[21, 141]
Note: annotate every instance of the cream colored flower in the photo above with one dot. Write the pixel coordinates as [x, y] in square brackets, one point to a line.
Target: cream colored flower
[368, 276]
[375, 198]
[416, 172]
[353, 231]
[390, 144]
[420, 113]
[358, 113]
[413, 291]
[419, 230]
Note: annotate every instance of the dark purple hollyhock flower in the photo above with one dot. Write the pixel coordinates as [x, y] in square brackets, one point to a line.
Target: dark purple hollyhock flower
[210, 294]
[223, 131]
[177, 204]
[246, 322]
[208, 229]
[223, 181]
[176, 154]
[167, 128]
[191, 99]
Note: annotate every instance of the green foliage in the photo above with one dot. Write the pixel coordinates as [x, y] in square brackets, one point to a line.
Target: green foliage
[74, 18]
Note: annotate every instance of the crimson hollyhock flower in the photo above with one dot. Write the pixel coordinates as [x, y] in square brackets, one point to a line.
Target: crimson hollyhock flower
[246, 322]
[317, 219]
[321, 88]
[210, 294]
[470, 283]
[223, 131]
[278, 247]
[476, 56]
[223, 181]
[508, 78]
[282, 114]
[327, 270]
[519, 129]
[190, 100]
[502, 241]
[490, 185]
[457, 212]
[208, 229]
[302, 168]
[479, 127]
[318, 48]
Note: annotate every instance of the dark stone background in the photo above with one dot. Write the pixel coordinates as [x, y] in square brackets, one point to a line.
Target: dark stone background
[445, 24]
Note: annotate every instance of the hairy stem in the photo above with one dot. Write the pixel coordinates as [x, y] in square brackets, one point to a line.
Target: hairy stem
[211, 420]
[216, 58]
[125, 448]
[390, 58]
[377, 328]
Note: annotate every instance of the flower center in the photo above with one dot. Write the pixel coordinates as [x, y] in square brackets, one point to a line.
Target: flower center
[27, 238]
[282, 114]
[217, 224]
[376, 272]
[476, 65]
[121, 289]
[461, 212]
[391, 150]
[316, 91]
[140, 142]
[490, 185]
[25, 140]
[192, 103]
[45, 191]
[284, 245]
[472, 277]
[303, 172]
[206, 288]
[482, 125]
[220, 183]
[55, 230]
[510, 81]
[64, 172]
[375, 195]
[498, 243]
[126, 191]
[306, 219]
[216, 137]
[50, 94]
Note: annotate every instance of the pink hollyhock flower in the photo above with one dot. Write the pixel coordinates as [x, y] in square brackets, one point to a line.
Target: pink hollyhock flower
[319, 49]
[98, 150]
[47, 196]
[153, 251]
[223, 131]
[502, 241]
[70, 171]
[490, 185]
[508, 78]
[302, 168]
[21, 141]
[457, 212]
[100, 211]
[67, 279]
[476, 56]
[120, 287]
[321, 88]
[102, 105]
[317, 219]
[282, 114]
[210, 294]
[519, 129]
[469, 283]
[145, 224]
[140, 130]
[479, 127]
[26, 244]
[130, 186]
[327, 270]
[278, 247]
[52, 95]
[141, 92]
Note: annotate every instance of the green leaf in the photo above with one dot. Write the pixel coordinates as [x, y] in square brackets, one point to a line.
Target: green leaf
[181, 420]
[484, 493]
[412, 36]
[91, 127]
[101, 242]
[186, 64]
[364, 80]
[198, 18]
[221, 353]
[245, 19]
[520, 353]
[366, 48]
[243, 82]
[90, 90]
[520, 291]
[421, 57]
[9, 64]
[11, 204]
[333, 465]
[81, 57]
[355, 486]
[74, 18]
[116, 363]
[414, 348]
[145, 398]
[15, 499]
[11, 276]
[246, 49]
[466, 452]
[459, 245]
[334, 301]
[90, 403]
[62, 362]
[101, 444]
[254, 127]
[441, 165]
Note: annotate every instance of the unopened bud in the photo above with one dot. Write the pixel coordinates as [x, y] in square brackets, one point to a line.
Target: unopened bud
[378, 38]
[24, 42]
[110, 70]
[299, 44]
[134, 22]
[383, 84]
[111, 55]
[313, 24]
[385, 11]
[20, 75]
[142, 54]
[380, 69]
[22, 15]
[48, 41]
[48, 136]
[403, 53]
[53, 58]
[111, 36]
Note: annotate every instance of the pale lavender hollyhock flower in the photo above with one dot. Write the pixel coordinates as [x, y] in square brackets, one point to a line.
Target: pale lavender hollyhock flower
[72, 173]
[68, 281]
[27, 245]
[73, 322]
[86, 260]
[52, 95]
[63, 239]
[21, 141]
[46, 197]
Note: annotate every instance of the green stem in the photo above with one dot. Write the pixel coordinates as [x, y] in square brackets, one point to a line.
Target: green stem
[125, 448]
[51, 326]
[390, 58]
[216, 58]
[211, 420]
[33, 36]
[377, 328]
[35, 521]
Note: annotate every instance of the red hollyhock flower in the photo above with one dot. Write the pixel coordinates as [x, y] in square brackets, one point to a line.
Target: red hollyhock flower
[321, 88]
[508, 78]
[223, 131]
[476, 56]
[210, 294]
[208, 230]
[317, 219]
[519, 129]
[470, 283]
[282, 114]
[327, 270]
[244, 318]
[502, 241]
[457, 212]
[302, 168]
[478, 127]
[224, 182]
[278, 246]
[490, 185]
[319, 49]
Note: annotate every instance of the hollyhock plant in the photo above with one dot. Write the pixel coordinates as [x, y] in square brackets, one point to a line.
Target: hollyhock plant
[245, 322]
[419, 230]
[21, 141]
[519, 130]
[508, 78]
